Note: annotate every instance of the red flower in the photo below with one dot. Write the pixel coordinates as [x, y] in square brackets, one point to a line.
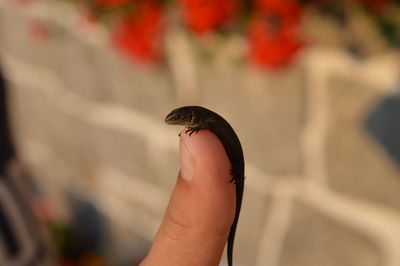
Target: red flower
[139, 36]
[271, 49]
[206, 15]
[279, 6]
[273, 37]
[112, 3]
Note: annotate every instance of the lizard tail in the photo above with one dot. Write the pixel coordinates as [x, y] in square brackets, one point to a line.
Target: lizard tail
[231, 240]
[232, 232]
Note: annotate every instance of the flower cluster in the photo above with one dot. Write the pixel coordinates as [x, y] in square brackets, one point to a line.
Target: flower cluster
[138, 34]
[273, 32]
[271, 27]
[203, 16]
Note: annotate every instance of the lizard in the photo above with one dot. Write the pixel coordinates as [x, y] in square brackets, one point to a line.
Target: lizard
[197, 118]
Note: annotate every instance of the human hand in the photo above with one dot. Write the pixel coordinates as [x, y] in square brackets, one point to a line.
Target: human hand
[201, 208]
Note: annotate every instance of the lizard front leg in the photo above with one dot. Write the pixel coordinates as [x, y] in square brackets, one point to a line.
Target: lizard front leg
[196, 129]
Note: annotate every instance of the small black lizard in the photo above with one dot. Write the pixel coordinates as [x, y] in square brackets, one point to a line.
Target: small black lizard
[196, 118]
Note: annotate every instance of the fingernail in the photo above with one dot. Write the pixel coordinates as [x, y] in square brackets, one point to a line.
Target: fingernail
[187, 161]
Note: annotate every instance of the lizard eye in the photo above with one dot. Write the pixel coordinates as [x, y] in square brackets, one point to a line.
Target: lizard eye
[178, 116]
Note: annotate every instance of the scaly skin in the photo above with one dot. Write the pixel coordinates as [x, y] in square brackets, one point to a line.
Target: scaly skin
[197, 118]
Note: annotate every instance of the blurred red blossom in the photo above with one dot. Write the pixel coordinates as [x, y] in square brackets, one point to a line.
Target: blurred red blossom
[280, 7]
[206, 15]
[271, 26]
[271, 49]
[138, 36]
[272, 32]
[38, 31]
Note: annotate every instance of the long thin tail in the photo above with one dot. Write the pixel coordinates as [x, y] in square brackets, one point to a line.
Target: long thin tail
[231, 240]
[232, 232]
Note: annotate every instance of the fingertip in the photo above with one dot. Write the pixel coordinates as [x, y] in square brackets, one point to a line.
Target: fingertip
[206, 170]
[202, 153]
[202, 206]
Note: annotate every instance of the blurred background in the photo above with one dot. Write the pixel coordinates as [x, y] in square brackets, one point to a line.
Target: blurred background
[311, 88]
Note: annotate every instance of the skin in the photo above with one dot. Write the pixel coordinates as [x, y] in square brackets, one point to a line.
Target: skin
[201, 208]
[197, 118]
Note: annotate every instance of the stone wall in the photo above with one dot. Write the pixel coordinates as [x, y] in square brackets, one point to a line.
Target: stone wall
[320, 189]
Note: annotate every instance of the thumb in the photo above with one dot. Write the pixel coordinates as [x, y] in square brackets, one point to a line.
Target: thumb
[201, 208]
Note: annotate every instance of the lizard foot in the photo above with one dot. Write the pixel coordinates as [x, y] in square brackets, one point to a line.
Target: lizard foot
[192, 130]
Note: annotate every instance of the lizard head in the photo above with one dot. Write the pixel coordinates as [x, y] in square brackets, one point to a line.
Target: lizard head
[183, 116]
